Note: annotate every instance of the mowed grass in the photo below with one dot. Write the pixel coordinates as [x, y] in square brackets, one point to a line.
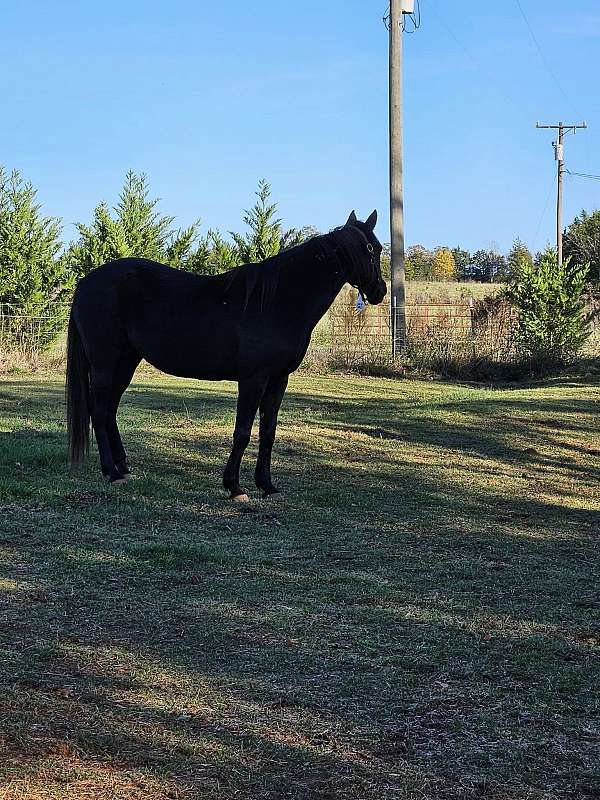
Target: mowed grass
[417, 617]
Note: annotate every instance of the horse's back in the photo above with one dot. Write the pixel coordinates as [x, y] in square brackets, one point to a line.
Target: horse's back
[150, 276]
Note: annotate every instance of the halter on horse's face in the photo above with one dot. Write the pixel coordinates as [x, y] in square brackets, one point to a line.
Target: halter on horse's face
[366, 275]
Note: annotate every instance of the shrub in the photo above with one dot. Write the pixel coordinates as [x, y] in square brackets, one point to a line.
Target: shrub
[552, 321]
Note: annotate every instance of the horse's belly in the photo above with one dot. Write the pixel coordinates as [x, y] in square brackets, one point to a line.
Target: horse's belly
[212, 349]
[173, 349]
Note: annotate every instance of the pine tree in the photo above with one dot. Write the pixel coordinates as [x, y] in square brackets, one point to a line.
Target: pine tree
[462, 259]
[487, 266]
[221, 255]
[582, 242]
[34, 278]
[519, 252]
[136, 230]
[553, 323]
[266, 237]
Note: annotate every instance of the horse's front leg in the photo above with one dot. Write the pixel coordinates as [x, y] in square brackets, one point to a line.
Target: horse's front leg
[269, 408]
[249, 396]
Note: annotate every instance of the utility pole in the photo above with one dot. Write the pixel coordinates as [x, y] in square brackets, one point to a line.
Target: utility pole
[398, 294]
[559, 155]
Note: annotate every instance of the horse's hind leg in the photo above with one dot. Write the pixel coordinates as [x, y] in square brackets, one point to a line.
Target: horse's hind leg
[100, 395]
[121, 380]
[269, 408]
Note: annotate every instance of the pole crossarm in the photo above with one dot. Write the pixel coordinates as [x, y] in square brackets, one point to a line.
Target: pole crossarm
[563, 126]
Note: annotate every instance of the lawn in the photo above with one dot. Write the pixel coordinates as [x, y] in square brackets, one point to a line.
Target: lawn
[417, 617]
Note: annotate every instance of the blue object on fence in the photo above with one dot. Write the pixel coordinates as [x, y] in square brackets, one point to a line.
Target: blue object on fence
[360, 303]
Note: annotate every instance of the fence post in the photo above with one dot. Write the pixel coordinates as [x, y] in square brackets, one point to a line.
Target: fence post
[472, 324]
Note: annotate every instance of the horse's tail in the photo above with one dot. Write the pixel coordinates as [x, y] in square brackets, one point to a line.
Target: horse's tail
[78, 395]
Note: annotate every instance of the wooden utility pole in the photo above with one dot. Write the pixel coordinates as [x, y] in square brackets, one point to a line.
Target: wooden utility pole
[398, 293]
[559, 154]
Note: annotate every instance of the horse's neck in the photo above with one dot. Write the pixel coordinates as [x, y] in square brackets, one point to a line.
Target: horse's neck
[318, 282]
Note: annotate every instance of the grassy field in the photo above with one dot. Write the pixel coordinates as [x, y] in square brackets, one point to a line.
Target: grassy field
[449, 291]
[418, 616]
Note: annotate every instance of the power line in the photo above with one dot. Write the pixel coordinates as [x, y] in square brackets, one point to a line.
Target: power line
[486, 73]
[544, 59]
[583, 175]
[543, 215]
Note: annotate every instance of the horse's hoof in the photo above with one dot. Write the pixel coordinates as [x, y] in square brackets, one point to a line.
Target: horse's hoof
[273, 494]
[115, 478]
[240, 498]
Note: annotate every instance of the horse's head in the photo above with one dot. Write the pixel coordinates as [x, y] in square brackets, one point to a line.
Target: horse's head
[365, 272]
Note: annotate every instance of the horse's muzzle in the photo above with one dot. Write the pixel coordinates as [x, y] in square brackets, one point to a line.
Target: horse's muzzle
[376, 295]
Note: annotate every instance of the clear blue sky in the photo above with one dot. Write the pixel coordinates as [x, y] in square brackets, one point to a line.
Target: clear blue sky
[209, 97]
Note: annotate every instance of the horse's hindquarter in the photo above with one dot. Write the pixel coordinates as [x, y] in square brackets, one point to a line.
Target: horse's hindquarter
[171, 318]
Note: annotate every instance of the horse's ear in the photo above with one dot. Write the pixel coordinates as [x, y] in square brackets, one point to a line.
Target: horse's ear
[352, 219]
[372, 221]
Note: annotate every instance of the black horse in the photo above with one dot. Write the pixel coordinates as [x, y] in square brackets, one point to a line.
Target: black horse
[252, 324]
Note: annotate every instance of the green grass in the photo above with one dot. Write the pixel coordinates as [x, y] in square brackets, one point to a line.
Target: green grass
[418, 616]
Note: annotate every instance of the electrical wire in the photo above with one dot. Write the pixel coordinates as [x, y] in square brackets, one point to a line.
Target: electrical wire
[491, 78]
[543, 215]
[544, 59]
[583, 175]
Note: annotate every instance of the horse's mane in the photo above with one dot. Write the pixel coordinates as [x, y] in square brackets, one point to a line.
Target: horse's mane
[256, 284]
[259, 281]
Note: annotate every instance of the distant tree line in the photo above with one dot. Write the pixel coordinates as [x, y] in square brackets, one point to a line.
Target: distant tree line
[581, 244]
[457, 264]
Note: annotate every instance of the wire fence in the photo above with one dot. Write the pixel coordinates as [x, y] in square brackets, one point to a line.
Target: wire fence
[463, 331]
[435, 331]
[31, 334]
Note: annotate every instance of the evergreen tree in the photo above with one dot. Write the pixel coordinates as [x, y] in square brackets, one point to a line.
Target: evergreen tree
[487, 266]
[309, 232]
[136, 230]
[581, 242]
[265, 237]
[519, 252]
[462, 259]
[33, 276]
[553, 324]
[221, 255]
